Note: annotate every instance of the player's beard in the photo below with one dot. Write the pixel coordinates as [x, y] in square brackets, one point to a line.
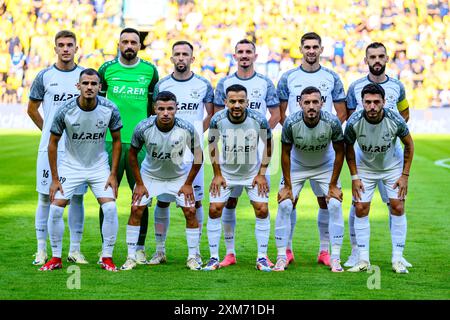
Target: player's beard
[377, 72]
[129, 55]
[309, 61]
[181, 68]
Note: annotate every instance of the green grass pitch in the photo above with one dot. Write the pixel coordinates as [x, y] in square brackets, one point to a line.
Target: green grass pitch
[427, 246]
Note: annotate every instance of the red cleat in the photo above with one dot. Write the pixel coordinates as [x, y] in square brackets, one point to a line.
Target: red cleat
[289, 256]
[229, 260]
[52, 264]
[108, 264]
[324, 258]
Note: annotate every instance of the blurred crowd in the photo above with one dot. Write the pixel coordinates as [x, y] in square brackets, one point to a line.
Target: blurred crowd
[415, 32]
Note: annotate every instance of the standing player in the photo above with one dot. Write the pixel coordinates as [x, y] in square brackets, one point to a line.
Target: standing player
[51, 88]
[262, 97]
[309, 137]
[194, 95]
[165, 172]
[240, 129]
[376, 59]
[292, 82]
[376, 129]
[128, 81]
[85, 121]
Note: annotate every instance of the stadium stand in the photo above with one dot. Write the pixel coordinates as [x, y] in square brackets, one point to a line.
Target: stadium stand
[415, 32]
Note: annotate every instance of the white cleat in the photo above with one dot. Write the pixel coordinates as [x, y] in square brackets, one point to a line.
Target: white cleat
[336, 266]
[129, 264]
[352, 259]
[40, 258]
[157, 258]
[77, 257]
[362, 265]
[399, 267]
[281, 264]
[141, 258]
[193, 264]
[198, 257]
[406, 263]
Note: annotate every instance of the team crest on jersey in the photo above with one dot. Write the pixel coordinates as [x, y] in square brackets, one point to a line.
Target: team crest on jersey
[175, 142]
[143, 80]
[322, 137]
[390, 98]
[101, 123]
[323, 86]
[256, 93]
[195, 94]
[386, 136]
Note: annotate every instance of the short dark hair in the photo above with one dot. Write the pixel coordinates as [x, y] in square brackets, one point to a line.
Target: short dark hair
[89, 72]
[375, 45]
[236, 88]
[130, 30]
[65, 34]
[309, 90]
[183, 42]
[245, 41]
[165, 96]
[372, 88]
[310, 36]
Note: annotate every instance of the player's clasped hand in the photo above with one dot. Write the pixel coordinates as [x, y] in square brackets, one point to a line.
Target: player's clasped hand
[334, 192]
[112, 182]
[139, 191]
[54, 187]
[284, 194]
[217, 182]
[357, 188]
[188, 192]
[263, 187]
[402, 185]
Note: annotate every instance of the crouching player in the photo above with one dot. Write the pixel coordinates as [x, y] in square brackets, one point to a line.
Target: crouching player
[312, 148]
[164, 172]
[376, 158]
[85, 121]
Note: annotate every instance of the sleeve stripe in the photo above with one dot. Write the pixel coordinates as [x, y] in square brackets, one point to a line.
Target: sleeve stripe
[55, 133]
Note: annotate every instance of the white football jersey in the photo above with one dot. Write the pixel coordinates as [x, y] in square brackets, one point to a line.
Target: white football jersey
[85, 132]
[165, 157]
[261, 92]
[53, 87]
[240, 159]
[393, 88]
[311, 147]
[293, 82]
[377, 151]
[192, 95]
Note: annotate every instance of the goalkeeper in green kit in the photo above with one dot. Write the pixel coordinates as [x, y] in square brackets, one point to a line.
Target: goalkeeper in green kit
[129, 81]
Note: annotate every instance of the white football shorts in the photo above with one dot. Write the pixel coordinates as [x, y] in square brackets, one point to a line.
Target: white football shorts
[44, 175]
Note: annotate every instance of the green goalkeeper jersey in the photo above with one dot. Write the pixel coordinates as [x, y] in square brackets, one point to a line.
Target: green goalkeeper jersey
[131, 89]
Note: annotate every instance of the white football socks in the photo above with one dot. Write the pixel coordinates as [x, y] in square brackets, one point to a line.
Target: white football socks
[362, 230]
[109, 228]
[76, 222]
[262, 233]
[56, 229]
[214, 230]
[41, 220]
[292, 227]
[283, 226]
[199, 216]
[132, 239]
[323, 218]
[162, 221]
[336, 227]
[351, 228]
[398, 235]
[192, 238]
[229, 224]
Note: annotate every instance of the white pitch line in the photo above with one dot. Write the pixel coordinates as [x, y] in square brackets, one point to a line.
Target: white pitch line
[442, 163]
